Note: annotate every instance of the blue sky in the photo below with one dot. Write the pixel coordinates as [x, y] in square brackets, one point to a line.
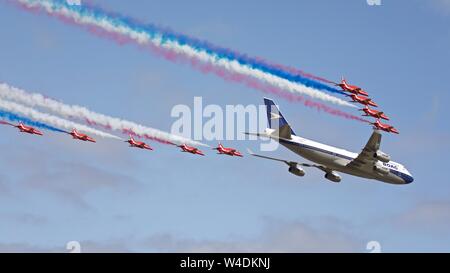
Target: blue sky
[111, 198]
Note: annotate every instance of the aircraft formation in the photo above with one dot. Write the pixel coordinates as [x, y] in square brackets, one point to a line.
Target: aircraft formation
[371, 163]
[133, 143]
[276, 79]
[355, 93]
[358, 95]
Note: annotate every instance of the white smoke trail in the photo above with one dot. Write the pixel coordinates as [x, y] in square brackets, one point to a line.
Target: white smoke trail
[142, 37]
[75, 111]
[51, 120]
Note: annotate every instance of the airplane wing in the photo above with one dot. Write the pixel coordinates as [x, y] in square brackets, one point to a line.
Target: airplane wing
[366, 159]
[257, 134]
[289, 163]
[265, 135]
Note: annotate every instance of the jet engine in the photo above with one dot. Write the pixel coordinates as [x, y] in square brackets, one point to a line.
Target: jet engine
[297, 171]
[382, 156]
[334, 177]
[381, 169]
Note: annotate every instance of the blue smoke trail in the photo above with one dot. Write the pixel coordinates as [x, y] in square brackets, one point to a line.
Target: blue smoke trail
[167, 35]
[16, 118]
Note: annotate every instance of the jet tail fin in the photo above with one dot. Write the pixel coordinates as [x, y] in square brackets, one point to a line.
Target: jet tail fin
[277, 121]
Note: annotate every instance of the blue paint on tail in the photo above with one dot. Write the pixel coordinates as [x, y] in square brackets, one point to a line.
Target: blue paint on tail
[274, 116]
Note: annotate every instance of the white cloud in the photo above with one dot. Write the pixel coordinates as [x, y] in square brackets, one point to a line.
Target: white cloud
[278, 236]
[432, 215]
[23, 218]
[115, 246]
[79, 179]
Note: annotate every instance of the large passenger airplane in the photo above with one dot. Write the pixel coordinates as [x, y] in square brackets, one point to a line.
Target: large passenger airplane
[371, 163]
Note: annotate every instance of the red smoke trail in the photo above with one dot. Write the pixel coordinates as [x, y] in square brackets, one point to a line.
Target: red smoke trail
[128, 132]
[207, 68]
[226, 75]
[6, 123]
[93, 123]
[299, 72]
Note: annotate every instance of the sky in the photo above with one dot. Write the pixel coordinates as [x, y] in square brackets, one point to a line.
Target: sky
[111, 198]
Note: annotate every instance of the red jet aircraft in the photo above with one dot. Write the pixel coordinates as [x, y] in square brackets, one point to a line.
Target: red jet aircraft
[373, 113]
[27, 129]
[138, 144]
[362, 100]
[188, 149]
[76, 135]
[385, 127]
[227, 151]
[351, 88]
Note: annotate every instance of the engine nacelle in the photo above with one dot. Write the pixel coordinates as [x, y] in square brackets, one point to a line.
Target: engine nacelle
[297, 171]
[382, 156]
[381, 169]
[334, 177]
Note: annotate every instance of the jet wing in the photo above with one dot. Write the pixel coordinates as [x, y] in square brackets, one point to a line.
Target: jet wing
[366, 159]
[257, 134]
[289, 163]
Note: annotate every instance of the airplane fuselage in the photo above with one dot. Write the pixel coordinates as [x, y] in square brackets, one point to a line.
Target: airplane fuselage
[370, 163]
[337, 159]
[82, 137]
[352, 89]
[28, 130]
[228, 151]
[188, 149]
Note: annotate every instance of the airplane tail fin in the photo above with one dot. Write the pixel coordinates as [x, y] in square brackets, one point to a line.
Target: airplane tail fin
[365, 108]
[377, 121]
[277, 121]
[218, 146]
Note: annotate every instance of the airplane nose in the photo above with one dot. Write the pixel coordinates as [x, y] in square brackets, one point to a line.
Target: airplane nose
[409, 179]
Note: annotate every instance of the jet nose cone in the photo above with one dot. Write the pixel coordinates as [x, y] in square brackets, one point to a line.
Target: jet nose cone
[409, 179]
